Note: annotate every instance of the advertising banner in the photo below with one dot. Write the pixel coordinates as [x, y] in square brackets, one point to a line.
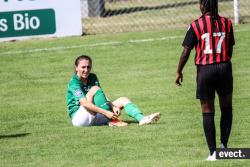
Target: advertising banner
[22, 19]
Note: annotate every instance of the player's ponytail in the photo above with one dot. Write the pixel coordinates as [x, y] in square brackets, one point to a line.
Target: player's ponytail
[214, 9]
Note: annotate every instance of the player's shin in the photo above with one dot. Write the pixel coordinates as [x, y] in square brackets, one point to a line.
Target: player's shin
[225, 124]
[209, 129]
[133, 111]
[100, 100]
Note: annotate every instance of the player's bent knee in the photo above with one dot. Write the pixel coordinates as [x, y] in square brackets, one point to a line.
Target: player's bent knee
[94, 89]
[124, 100]
[92, 92]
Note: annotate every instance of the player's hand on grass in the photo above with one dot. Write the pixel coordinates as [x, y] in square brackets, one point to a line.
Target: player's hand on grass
[179, 79]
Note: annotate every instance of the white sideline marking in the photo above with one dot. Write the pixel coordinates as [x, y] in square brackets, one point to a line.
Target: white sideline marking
[88, 45]
[154, 39]
[59, 48]
[97, 44]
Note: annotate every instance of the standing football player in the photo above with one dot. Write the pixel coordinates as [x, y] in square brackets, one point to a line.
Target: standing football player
[213, 39]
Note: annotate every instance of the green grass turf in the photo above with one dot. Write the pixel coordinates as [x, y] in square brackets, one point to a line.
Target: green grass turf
[35, 129]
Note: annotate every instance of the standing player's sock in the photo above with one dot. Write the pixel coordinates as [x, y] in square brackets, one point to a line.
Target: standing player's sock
[100, 100]
[225, 124]
[133, 111]
[209, 129]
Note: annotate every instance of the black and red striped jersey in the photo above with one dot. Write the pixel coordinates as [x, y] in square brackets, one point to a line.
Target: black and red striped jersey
[211, 39]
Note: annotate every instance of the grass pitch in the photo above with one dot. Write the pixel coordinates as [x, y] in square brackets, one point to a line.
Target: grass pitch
[35, 129]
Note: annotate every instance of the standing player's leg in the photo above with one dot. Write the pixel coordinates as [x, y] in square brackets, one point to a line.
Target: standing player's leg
[226, 119]
[225, 91]
[208, 113]
[206, 84]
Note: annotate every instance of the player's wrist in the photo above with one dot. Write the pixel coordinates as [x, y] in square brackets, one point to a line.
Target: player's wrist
[179, 73]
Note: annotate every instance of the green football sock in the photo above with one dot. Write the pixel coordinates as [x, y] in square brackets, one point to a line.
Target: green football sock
[133, 111]
[100, 100]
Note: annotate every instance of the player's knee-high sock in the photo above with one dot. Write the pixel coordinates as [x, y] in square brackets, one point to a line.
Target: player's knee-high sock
[100, 100]
[133, 111]
[209, 129]
[225, 124]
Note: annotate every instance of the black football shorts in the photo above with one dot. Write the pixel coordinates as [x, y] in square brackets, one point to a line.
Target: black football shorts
[214, 78]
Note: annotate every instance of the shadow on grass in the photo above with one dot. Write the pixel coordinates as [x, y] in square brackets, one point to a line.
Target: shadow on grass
[14, 135]
[115, 12]
[131, 121]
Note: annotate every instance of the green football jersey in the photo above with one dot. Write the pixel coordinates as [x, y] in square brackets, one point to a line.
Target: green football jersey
[77, 90]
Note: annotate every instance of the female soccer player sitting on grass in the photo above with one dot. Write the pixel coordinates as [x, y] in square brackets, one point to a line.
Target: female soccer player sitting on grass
[87, 104]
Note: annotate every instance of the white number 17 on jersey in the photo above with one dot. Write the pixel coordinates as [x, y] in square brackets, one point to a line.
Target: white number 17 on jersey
[206, 37]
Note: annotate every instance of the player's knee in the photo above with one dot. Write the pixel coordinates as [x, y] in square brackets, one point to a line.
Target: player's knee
[124, 100]
[207, 106]
[207, 111]
[94, 88]
[92, 92]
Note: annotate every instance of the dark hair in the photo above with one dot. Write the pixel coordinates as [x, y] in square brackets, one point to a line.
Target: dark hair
[82, 57]
[210, 6]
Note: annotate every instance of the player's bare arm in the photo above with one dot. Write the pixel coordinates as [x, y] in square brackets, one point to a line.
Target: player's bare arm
[183, 60]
